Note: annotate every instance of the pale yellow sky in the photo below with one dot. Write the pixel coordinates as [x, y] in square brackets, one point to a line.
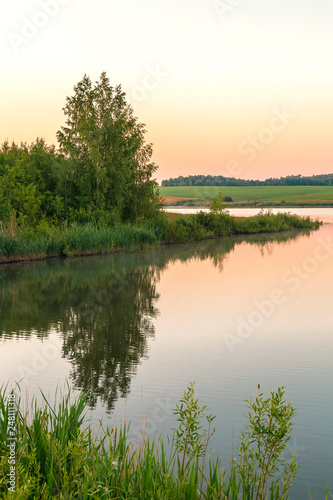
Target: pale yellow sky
[246, 83]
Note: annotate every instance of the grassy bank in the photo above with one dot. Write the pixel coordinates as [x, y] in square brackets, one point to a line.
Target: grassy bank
[87, 239]
[59, 455]
[44, 241]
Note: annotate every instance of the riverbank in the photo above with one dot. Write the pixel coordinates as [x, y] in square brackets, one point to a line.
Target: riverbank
[50, 452]
[44, 241]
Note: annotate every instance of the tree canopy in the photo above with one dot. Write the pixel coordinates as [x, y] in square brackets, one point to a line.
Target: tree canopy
[30, 182]
[105, 146]
[102, 170]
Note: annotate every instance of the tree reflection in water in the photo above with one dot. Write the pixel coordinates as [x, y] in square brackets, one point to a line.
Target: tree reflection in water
[103, 307]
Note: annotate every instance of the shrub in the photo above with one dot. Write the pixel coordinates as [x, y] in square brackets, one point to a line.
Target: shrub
[57, 458]
[220, 224]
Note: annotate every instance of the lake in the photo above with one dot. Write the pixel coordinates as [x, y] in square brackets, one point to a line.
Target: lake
[322, 213]
[134, 330]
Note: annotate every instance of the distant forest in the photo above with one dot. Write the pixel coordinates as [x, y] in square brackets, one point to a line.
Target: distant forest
[219, 180]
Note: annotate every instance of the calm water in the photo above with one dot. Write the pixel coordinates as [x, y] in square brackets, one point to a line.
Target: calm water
[229, 314]
[322, 213]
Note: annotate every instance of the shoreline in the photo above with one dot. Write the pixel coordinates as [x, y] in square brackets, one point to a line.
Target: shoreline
[178, 229]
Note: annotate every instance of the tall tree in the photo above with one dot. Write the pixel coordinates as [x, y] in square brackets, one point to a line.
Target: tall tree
[110, 160]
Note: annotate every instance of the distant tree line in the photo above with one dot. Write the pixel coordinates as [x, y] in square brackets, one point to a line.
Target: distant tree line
[219, 180]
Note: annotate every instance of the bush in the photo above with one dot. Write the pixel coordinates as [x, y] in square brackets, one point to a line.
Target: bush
[220, 224]
[267, 222]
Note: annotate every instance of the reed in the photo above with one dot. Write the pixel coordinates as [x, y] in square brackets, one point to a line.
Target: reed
[26, 243]
[49, 241]
[59, 455]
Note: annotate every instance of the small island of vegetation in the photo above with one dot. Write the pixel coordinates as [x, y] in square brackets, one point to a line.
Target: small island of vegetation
[96, 192]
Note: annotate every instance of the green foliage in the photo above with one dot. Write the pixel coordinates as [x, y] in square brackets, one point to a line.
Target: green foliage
[74, 239]
[102, 172]
[59, 456]
[29, 187]
[268, 222]
[191, 441]
[183, 230]
[219, 223]
[219, 180]
[218, 206]
[110, 165]
[5, 207]
[194, 227]
[263, 444]
[44, 239]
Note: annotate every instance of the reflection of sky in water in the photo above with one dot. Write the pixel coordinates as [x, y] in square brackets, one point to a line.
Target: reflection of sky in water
[167, 319]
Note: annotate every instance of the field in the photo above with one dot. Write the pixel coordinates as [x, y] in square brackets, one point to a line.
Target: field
[312, 195]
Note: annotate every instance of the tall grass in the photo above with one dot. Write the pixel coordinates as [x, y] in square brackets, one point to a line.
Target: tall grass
[21, 243]
[70, 240]
[55, 457]
[205, 225]
[268, 222]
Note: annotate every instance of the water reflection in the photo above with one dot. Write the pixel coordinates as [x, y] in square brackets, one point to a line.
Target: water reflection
[103, 307]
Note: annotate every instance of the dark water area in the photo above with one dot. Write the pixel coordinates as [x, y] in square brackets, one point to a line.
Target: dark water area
[133, 331]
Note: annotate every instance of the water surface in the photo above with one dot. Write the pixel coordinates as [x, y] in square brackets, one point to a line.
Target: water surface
[133, 330]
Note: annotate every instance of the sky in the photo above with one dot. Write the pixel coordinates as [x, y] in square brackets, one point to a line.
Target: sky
[238, 88]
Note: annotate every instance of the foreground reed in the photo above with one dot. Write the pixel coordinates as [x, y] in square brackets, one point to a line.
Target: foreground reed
[49, 452]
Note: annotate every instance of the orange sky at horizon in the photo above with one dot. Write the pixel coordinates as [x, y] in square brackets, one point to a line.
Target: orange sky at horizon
[247, 86]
